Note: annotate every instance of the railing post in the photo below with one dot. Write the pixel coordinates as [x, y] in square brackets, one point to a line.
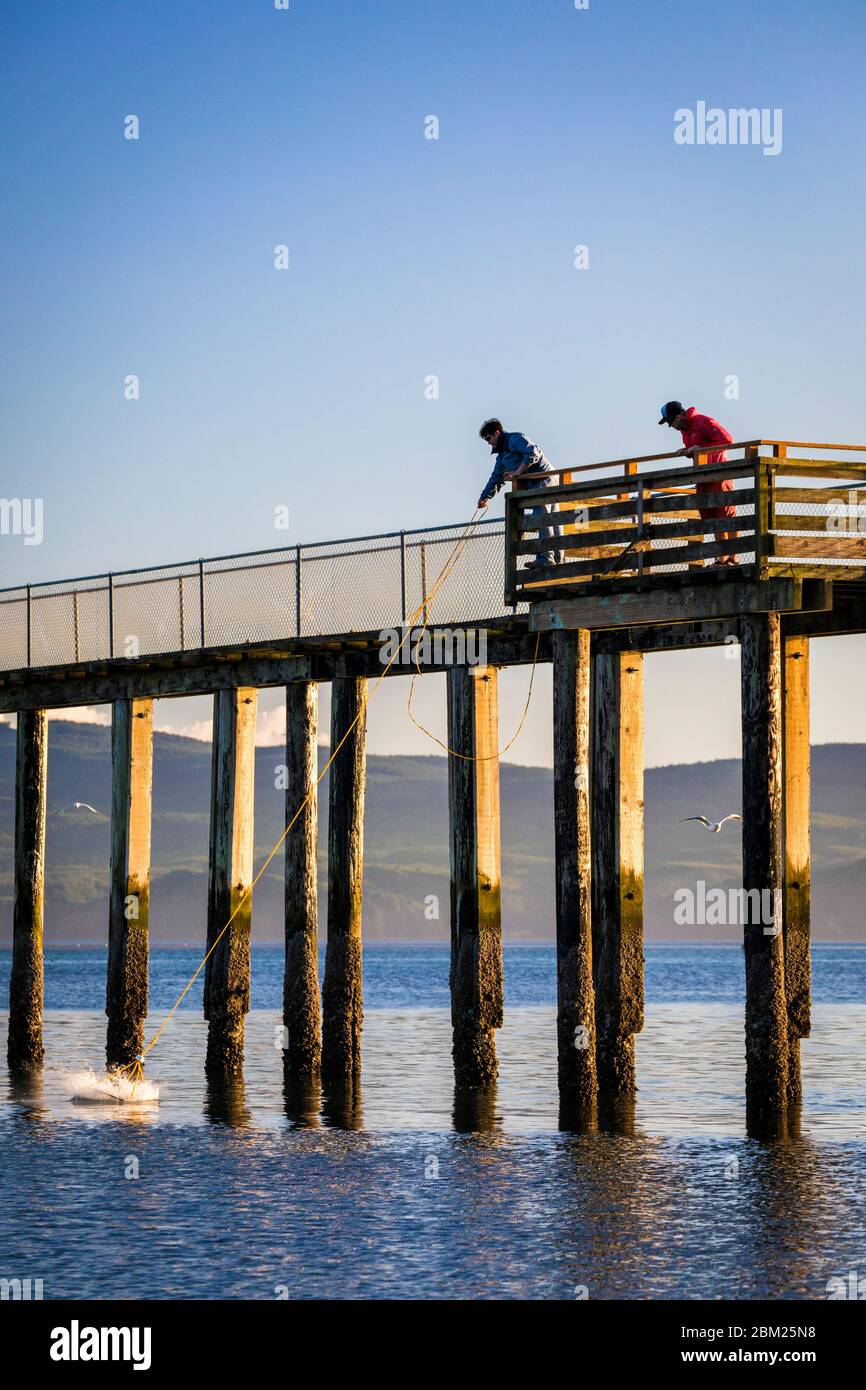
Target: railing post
[698, 461]
[628, 471]
[28, 625]
[180, 599]
[75, 623]
[512, 536]
[298, 590]
[762, 518]
[639, 547]
[111, 616]
[771, 516]
[780, 451]
[403, 578]
[201, 596]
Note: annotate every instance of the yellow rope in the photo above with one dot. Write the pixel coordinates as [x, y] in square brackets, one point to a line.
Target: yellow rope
[427, 604]
[136, 1067]
[469, 757]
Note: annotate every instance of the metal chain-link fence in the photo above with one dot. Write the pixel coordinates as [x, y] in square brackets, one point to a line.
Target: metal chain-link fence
[333, 589]
[820, 521]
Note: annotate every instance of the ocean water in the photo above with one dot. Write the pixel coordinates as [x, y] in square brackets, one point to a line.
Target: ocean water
[411, 1191]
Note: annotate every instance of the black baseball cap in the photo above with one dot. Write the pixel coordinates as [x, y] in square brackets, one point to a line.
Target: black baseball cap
[670, 411]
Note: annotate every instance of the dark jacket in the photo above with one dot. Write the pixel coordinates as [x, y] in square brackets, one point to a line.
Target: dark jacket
[514, 451]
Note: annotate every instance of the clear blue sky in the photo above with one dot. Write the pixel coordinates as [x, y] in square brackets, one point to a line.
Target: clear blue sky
[409, 257]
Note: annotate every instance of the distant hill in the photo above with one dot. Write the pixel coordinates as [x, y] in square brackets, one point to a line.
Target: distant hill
[406, 836]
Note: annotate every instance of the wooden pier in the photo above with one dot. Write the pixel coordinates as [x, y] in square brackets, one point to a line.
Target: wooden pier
[639, 574]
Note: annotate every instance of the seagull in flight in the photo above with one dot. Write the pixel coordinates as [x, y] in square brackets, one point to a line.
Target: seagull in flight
[714, 826]
[78, 806]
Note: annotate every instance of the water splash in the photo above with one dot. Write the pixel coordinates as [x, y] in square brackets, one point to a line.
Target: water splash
[111, 1088]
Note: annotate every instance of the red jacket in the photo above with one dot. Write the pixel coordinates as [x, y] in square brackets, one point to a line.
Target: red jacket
[703, 429]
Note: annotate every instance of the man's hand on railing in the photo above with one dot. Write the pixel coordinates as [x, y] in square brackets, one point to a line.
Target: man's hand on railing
[523, 473]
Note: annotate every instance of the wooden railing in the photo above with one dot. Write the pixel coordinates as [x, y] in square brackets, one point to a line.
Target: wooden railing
[793, 514]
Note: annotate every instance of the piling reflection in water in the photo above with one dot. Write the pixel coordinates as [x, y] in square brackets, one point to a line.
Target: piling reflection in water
[474, 1110]
[225, 1101]
[302, 1098]
[26, 1091]
[342, 1106]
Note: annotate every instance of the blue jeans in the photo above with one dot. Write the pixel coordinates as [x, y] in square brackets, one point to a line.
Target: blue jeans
[535, 516]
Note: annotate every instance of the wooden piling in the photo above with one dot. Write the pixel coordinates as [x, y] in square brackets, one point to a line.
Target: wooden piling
[24, 1043]
[797, 808]
[575, 993]
[230, 873]
[766, 1012]
[616, 780]
[476, 930]
[301, 1012]
[342, 993]
[129, 890]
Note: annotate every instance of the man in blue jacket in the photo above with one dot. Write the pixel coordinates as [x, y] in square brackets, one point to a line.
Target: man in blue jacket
[516, 455]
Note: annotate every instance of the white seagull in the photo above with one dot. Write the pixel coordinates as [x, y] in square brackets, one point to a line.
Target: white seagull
[78, 806]
[714, 826]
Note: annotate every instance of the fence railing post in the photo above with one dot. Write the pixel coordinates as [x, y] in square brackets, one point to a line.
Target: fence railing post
[297, 591]
[762, 512]
[629, 469]
[403, 578]
[201, 597]
[640, 535]
[769, 547]
[28, 624]
[111, 616]
[511, 539]
[180, 602]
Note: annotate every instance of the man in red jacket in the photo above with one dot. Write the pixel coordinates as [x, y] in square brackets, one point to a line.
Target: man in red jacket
[698, 431]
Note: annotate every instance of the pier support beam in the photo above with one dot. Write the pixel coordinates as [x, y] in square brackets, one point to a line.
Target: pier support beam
[476, 930]
[230, 873]
[766, 1011]
[574, 987]
[617, 779]
[24, 1046]
[301, 1013]
[129, 891]
[797, 807]
[342, 994]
